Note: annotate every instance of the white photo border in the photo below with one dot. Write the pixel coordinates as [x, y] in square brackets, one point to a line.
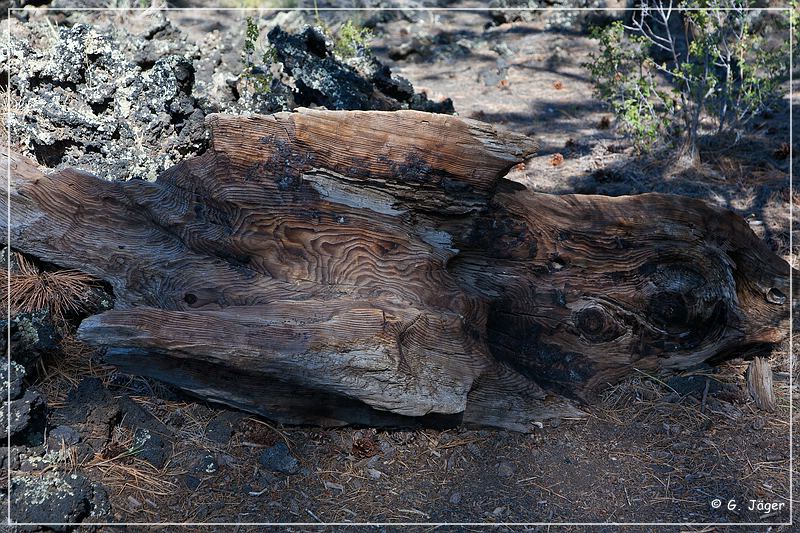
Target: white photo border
[44, 10]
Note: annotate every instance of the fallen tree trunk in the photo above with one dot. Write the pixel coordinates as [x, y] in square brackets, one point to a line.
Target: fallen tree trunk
[333, 267]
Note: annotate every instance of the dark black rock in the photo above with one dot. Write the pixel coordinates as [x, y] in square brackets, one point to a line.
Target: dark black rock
[506, 469]
[694, 385]
[191, 482]
[150, 447]
[27, 410]
[264, 479]
[27, 422]
[135, 416]
[126, 106]
[150, 436]
[90, 403]
[62, 434]
[56, 497]
[362, 83]
[504, 11]
[33, 336]
[83, 452]
[13, 375]
[420, 102]
[279, 459]
[90, 409]
[319, 77]
[397, 88]
[115, 103]
[561, 18]
[95, 300]
[12, 262]
[222, 426]
[9, 458]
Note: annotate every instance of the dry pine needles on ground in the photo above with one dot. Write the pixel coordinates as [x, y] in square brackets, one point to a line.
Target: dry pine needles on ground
[30, 289]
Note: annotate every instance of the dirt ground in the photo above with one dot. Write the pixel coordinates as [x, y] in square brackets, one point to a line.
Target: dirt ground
[654, 449]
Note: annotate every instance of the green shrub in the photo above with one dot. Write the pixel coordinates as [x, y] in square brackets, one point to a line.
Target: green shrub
[348, 42]
[257, 59]
[350, 39]
[673, 67]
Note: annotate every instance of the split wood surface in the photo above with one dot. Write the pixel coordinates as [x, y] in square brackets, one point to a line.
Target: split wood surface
[760, 385]
[332, 267]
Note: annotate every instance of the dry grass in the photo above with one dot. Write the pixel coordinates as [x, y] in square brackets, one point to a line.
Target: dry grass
[119, 469]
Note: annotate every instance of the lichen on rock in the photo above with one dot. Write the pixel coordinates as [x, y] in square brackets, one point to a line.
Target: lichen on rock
[129, 104]
[33, 335]
[22, 420]
[57, 497]
[87, 103]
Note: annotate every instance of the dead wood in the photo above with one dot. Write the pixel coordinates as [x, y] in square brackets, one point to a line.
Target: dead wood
[759, 383]
[333, 267]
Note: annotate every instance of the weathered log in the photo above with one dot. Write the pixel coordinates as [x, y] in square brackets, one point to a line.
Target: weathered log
[331, 267]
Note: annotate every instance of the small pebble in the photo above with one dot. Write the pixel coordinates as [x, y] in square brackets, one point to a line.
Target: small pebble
[506, 469]
[134, 503]
[279, 459]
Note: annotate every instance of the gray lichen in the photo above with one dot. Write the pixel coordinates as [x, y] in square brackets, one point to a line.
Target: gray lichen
[57, 497]
[86, 103]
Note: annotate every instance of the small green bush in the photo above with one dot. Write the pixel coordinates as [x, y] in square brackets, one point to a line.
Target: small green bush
[716, 67]
[256, 59]
[350, 39]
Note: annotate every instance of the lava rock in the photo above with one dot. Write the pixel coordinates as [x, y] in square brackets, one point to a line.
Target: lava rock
[222, 426]
[33, 335]
[12, 376]
[62, 434]
[150, 447]
[90, 105]
[60, 498]
[27, 421]
[207, 464]
[191, 482]
[135, 416]
[90, 403]
[361, 83]
[91, 410]
[12, 262]
[278, 459]
[504, 11]
[319, 77]
[506, 469]
[150, 435]
[27, 410]
[127, 106]
[694, 385]
[10, 458]
[564, 19]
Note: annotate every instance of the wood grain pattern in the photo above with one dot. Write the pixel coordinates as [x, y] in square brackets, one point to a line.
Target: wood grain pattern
[380, 263]
[759, 383]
